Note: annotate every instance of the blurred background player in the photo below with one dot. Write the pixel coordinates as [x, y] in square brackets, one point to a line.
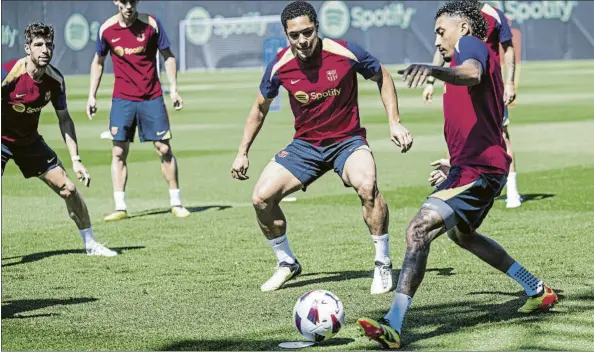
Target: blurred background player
[498, 32]
[29, 84]
[473, 104]
[320, 77]
[133, 39]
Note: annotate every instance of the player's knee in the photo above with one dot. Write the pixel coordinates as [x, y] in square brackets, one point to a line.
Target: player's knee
[67, 190]
[367, 190]
[417, 235]
[458, 237]
[164, 151]
[260, 201]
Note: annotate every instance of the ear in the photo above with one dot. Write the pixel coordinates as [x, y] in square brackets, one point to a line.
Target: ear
[28, 49]
[465, 28]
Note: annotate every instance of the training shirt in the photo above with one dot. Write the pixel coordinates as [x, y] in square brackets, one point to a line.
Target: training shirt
[499, 30]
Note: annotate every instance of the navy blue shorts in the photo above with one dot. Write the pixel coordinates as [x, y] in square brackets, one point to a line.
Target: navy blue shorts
[149, 115]
[465, 206]
[308, 162]
[34, 159]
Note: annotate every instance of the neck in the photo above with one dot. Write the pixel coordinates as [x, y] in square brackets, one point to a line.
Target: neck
[35, 72]
[127, 22]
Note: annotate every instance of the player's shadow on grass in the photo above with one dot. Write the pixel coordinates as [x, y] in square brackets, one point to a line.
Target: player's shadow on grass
[464, 314]
[241, 345]
[350, 275]
[11, 308]
[530, 197]
[29, 258]
[161, 211]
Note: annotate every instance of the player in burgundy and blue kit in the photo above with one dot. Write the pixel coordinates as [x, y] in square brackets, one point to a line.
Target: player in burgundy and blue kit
[133, 40]
[473, 108]
[498, 33]
[320, 77]
[29, 84]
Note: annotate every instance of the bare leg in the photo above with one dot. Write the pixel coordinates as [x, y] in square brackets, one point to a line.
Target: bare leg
[119, 169]
[168, 163]
[274, 184]
[508, 147]
[57, 180]
[483, 247]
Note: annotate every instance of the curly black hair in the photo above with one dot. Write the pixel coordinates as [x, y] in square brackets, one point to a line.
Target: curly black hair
[38, 29]
[298, 9]
[467, 9]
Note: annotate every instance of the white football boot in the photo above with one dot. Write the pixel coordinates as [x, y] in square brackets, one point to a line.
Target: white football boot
[96, 248]
[284, 272]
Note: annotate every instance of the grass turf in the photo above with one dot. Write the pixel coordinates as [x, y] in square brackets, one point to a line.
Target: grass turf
[193, 283]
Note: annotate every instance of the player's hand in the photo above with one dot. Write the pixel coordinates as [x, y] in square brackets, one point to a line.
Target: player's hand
[428, 93]
[91, 107]
[176, 99]
[509, 94]
[440, 174]
[240, 167]
[401, 137]
[82, 174]
[416, 74]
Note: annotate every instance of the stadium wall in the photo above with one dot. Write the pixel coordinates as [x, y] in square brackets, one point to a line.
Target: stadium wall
[394, 31]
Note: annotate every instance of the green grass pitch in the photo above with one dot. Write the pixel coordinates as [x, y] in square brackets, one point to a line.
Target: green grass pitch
[193, 283]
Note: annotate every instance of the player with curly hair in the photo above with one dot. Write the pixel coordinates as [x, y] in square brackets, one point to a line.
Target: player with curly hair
[320, 76]
[473, 106]
[498, 33]
[29, 84]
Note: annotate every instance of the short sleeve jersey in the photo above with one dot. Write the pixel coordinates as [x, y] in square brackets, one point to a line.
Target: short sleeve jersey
[474, 114]
[499, 30]
[133, 52]
[323, 90]
[23, 98]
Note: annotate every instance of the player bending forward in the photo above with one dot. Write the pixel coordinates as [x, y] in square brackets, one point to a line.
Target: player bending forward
[321, 79]
[473, 108]
[133, 39]
[29, 84]
[498, 32]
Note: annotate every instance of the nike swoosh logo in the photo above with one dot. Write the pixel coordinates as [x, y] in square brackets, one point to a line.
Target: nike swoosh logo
[295, 81]
[20, 95]
[161, 133]
[115, 40]
[50, 160]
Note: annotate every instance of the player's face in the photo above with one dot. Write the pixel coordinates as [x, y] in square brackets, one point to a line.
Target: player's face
[40, 50]
[448, 30]
[303, 36]
[126, 8]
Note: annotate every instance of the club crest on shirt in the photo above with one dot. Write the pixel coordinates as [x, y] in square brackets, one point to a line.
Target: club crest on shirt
[331, 75]
[48, 95]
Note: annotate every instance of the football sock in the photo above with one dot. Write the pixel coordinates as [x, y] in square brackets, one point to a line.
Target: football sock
[512, 186]
[382, 247]
[531, 284]
[282, 250]
[174, 199]
[87, 235]
[395, 315]
[120, 200]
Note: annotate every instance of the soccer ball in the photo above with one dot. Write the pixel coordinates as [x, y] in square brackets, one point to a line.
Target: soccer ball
[318, 315]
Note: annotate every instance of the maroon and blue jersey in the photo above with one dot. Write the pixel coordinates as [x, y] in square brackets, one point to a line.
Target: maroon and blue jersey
[133, 52]
[499, 30]
[23, 98]
[473, 114]
[323, 90]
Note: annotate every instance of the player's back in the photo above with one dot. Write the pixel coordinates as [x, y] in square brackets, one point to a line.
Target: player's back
[23, 98]
[473, 114]
[323, 90]
[498, 30]
[133, 52]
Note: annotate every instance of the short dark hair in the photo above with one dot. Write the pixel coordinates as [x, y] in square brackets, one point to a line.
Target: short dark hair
[298, 9]
[38, 29]
[467, 9]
